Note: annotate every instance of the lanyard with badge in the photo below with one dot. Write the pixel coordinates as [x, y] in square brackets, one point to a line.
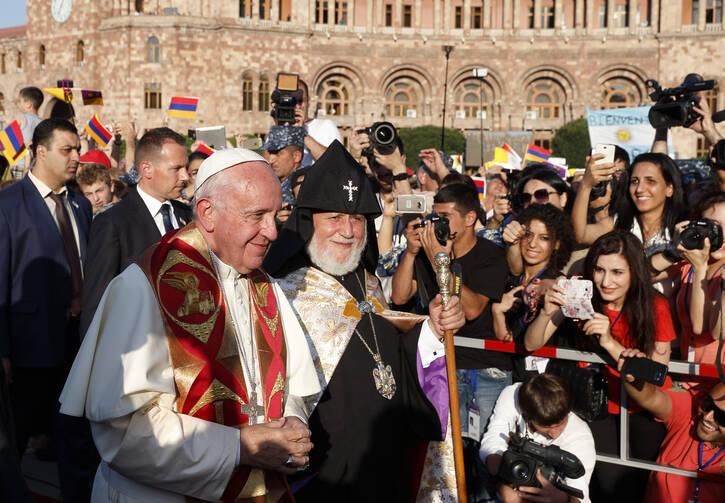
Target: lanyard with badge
[701, 467]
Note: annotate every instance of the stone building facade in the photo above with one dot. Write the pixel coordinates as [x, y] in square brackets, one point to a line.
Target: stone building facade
[546, 61]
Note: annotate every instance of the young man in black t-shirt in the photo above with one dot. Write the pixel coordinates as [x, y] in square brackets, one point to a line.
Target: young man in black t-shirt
[482, 374]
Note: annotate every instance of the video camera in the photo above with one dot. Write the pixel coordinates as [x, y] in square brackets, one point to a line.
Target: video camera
[441, 227]
[674, 106]
[285, 97]
[525, 457]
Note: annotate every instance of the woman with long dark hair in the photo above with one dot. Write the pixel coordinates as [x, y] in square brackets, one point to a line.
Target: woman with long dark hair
[654, 204]
[545, 247]
[629, 313]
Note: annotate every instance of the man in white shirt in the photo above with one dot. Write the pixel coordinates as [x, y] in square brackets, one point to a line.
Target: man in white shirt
[540, 408]
[320, 132]
[122, 232]
[200, 392]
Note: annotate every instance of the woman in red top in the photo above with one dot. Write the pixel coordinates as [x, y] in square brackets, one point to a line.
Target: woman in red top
[629, 314]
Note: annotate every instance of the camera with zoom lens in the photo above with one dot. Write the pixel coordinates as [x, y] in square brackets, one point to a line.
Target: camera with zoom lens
[382, 138]
[441, 227]
[693, 235]
[525, 457]
[285, 97]
[674, 106]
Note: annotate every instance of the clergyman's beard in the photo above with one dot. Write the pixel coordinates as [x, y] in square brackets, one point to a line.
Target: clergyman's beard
[323, 259]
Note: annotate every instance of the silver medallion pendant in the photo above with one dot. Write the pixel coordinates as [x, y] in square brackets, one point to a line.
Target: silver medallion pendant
[384, 379]
[365, 307]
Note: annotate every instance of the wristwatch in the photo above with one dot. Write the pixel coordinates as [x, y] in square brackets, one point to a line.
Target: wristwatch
[400, 177]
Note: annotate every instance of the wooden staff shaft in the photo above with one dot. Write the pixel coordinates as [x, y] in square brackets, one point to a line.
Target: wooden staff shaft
[455, 418]
[443, 276]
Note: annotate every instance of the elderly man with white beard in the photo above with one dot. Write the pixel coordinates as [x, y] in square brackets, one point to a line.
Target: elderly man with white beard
[383, 373]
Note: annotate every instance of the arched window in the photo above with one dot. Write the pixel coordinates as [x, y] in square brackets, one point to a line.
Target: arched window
[263, 95]
[2, 63]
[80, 52]
[468, 100]
[618, 93]
[20, 60]
[247, 92]
[711, 97]
[544, 97]
[153, 50]
[41, 55]
[334, 97]
[402, 99]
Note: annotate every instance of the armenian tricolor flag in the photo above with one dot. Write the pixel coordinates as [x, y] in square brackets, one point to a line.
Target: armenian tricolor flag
[536, 154]
[92, 97]
[183, 107]
[481, 186]
[96, 131]
[12, 144]
[204, 149]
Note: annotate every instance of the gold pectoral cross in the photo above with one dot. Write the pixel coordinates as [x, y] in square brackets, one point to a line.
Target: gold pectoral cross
[252, 409]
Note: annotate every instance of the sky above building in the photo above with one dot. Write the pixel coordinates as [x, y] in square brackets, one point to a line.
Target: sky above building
[13, 13]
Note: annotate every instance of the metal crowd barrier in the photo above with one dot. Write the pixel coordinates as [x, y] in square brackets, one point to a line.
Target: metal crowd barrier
[675, 367]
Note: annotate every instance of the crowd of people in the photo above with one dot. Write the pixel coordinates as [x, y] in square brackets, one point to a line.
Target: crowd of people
[262, 326]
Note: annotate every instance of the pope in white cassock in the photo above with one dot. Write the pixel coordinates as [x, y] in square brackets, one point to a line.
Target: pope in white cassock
[194, 368]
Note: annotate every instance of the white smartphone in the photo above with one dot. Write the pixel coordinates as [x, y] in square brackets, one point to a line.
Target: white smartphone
[607, 150]
[411, 203]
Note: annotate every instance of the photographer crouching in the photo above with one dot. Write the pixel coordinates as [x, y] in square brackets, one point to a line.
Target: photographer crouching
[540, 409]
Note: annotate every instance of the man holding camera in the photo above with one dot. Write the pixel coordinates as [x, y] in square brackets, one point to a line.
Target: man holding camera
[320, 132]
[284, 150]
[695, 440]
[541, 408]
[482, 374]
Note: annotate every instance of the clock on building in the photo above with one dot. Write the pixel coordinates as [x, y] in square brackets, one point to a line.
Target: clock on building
[61, 9]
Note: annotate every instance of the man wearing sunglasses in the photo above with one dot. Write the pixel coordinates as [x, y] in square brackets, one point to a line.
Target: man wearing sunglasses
[695, 438]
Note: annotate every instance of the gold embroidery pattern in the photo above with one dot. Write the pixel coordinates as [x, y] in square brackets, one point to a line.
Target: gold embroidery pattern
[195, 301]
[276, 388]
[261, 290]
[202, 331]
[215, 391]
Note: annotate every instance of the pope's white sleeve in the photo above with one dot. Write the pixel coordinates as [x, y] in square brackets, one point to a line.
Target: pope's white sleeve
[131, 395]
[302, 379]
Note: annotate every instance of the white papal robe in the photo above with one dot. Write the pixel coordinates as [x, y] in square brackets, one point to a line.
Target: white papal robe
[122, 380]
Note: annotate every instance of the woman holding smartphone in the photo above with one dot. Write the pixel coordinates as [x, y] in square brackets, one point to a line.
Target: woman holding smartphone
[629, 314]
[545, 245]
[653, 205]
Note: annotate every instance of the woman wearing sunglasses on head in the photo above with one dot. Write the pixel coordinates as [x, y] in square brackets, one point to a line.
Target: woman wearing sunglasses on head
[653, 204]
[629, 314]
[544, 247]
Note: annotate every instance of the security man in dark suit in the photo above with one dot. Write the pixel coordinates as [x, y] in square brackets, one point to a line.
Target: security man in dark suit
[43, 233]
[139, 220]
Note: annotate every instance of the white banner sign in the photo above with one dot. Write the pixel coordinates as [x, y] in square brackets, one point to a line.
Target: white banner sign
[627, 127]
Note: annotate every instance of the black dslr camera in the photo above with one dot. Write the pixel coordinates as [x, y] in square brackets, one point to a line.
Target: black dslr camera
[525, 457]
[693, 235]
[674, 106]
[285, 97]
[441, 227]
[382, 138]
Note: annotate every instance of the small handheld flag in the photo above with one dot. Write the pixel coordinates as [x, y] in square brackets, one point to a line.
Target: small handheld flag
[63, 94]
[91, 97]
[183, 107]
[204, 149]
[512, 153]
[96, 131]
[536, 154]
[12, 144]
[481, 186]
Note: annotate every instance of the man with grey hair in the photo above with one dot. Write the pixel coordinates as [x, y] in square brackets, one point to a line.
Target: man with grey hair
[199, 392]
